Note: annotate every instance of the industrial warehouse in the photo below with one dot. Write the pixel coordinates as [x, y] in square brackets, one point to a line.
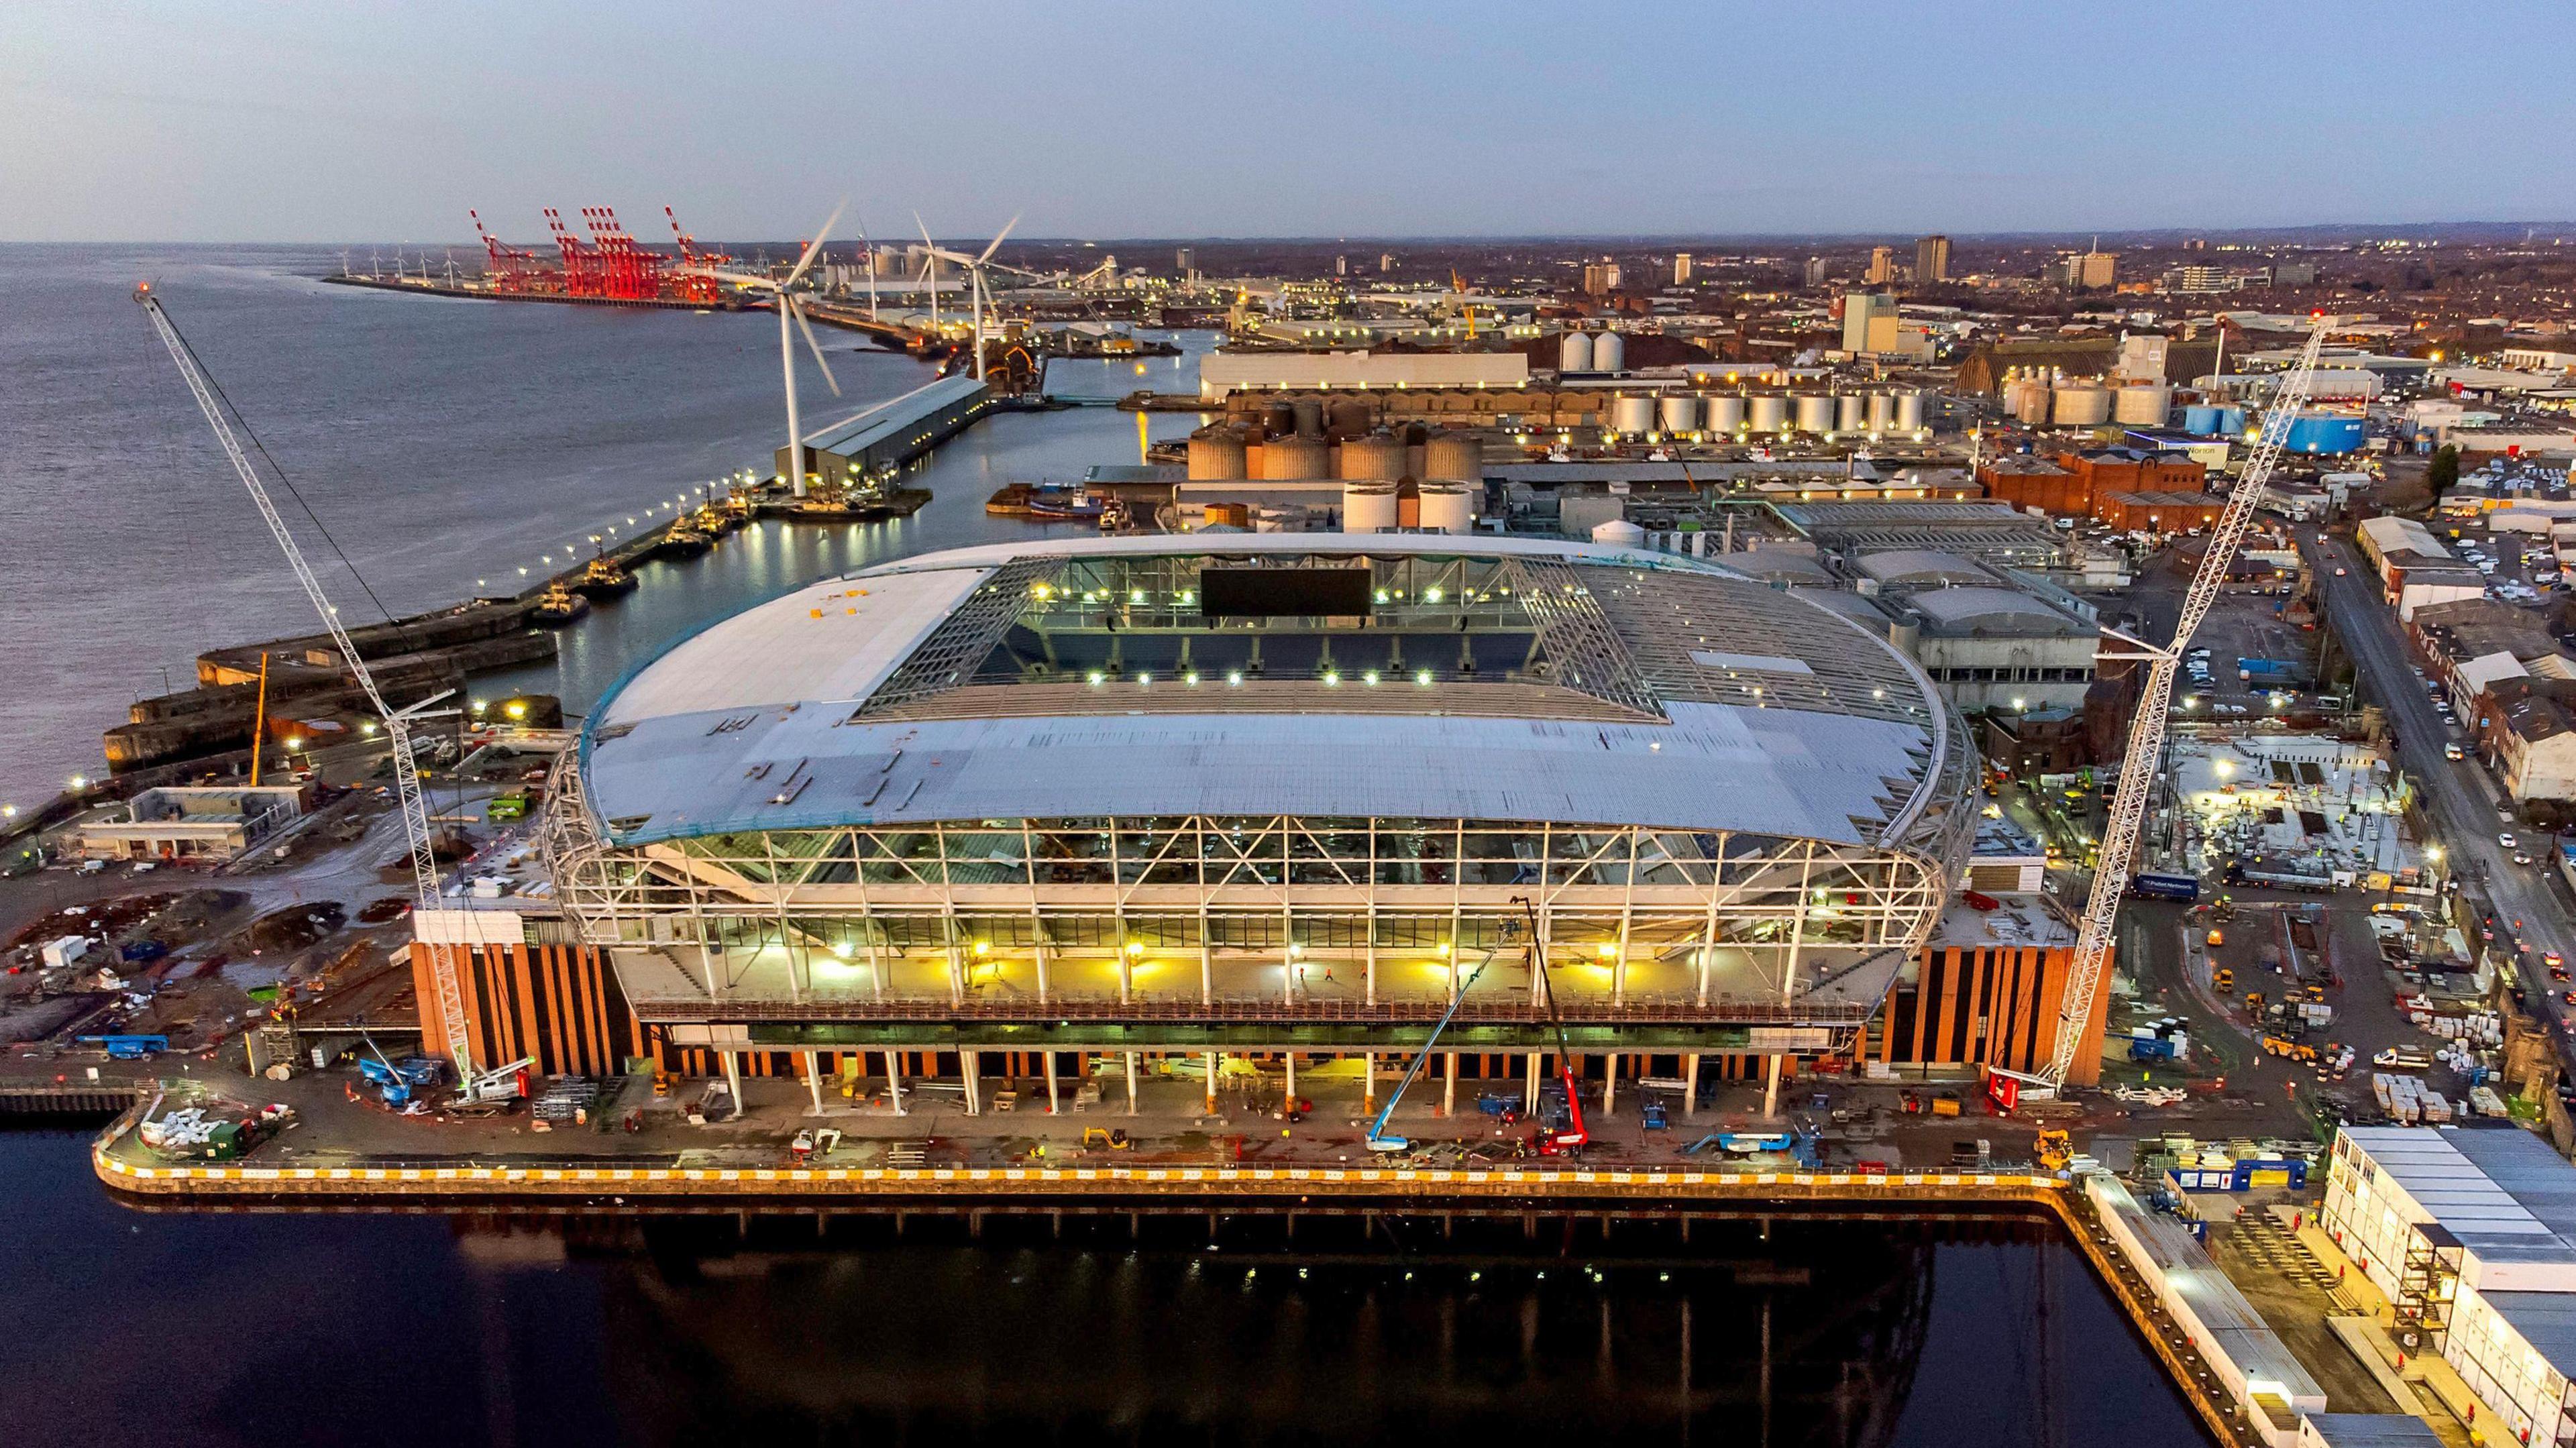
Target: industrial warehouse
[1123, 803]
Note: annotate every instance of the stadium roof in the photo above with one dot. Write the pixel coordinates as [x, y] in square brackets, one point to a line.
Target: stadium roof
[1633, 689]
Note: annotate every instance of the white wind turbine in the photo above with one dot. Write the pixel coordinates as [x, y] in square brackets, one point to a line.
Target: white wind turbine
[980, 292]
[783, 298]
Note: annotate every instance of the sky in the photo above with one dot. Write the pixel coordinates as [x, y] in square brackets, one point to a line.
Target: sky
[159, 120]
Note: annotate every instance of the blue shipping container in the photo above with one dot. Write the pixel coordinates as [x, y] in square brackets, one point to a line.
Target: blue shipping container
[2325, 433]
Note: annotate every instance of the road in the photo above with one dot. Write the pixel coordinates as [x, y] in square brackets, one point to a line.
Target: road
[2459, 795]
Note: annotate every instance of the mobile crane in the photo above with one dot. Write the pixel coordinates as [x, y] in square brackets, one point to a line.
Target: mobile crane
[1570, 1138]
[1378, 1139]
[2147, 731]
[398, 722]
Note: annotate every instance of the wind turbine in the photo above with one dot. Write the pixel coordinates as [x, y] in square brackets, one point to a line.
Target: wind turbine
[870, 249]
[979, 291]
[783, 299]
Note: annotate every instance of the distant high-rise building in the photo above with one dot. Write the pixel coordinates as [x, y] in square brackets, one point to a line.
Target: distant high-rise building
[1931, 259]
[1600, 278]
[2092, 270]
[1681, 268]
[2295, 274]
[1385, 262]
[1882, 266]
[1862, 311]
[1816, 271]
[1185, 261]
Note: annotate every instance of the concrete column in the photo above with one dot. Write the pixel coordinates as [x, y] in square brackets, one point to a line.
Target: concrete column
[1131, 1083]
[967, 1072]
[1211, 1083]
[1371, 966]
[1054, 1104]
[1449, 1087]
[733, 1080]
[894, 1081]
[1126, 976]
[1771, 1087]
[1368, 1082]
[1690, 1086]
[1040, 956]
[1207, 969]
[814, 1079]
[1288, 1100]
[1610, 1083]
[1529, 1088]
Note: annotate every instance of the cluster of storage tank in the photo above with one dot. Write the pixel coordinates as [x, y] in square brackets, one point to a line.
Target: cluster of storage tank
[2050, 398]
[1441, 470]
[1591, 352]
[1684, 414]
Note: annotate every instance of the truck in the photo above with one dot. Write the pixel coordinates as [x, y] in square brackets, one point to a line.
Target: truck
[2184, 888]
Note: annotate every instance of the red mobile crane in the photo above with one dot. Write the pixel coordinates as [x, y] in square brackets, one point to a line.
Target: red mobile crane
[1547, 1140]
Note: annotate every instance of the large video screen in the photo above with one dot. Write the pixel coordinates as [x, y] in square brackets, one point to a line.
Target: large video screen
[1283, 592]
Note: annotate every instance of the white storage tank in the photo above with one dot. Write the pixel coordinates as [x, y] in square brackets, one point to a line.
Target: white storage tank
[1632, 416]
[1678, 412]
[1882, 411]
[1368, 506]
[2029, 402]
[1726, 412]
[1609, 353]
[1449, 507]
[1619, 533]
[2143, 404]
[1849, 411]
[1815, 412]
[1574, 352]
[1909, 412]
[2080, 404]
[1769, 412]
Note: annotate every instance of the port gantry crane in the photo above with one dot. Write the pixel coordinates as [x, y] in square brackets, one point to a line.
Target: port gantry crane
[2139, 766]
[398, 722]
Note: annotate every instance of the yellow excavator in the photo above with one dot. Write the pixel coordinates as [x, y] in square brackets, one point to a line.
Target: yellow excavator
[2054, 1149]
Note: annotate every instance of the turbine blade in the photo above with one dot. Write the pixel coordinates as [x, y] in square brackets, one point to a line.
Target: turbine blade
[797, 310]
[997, 241]
[816, 244]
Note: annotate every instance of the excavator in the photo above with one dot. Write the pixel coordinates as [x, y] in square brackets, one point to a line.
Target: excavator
[2054, 1148]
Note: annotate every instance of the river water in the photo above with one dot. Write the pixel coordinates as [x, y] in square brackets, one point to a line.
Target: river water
[443, 444]
[132, 1324]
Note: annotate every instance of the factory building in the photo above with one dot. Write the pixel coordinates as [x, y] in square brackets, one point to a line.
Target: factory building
[1988, 644]
[1292, 796]
[1223, 374]
[891, 433]
[2470, 1233]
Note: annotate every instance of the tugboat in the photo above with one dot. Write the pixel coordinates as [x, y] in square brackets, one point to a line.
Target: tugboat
[560, 606]
[604, 579]
[713, 521]
[683, 541]
[1114, 517]
[739, 507]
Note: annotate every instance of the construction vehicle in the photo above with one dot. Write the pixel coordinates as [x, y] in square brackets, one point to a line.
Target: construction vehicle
[2053, 1148]
[398, 722]
[2288, 1049]
[127, 1048]
[1107, 1138]
[1656, 1117]
[2139, 764]
[397, 1082]
[509, 1083]
[1569, 1139]
[1378, 1140]
[2223, 980]
[1946, 1104]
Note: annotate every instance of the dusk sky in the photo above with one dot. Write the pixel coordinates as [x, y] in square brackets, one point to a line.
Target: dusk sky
[161, 120]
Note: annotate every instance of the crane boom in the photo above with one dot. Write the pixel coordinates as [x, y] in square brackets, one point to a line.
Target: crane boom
[2147, 731]
[398, 722]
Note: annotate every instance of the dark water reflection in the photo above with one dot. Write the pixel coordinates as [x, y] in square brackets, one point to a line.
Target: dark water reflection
[1079, 1327]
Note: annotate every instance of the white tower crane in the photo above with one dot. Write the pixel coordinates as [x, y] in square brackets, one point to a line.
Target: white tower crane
[2139, 766]
[398, 722]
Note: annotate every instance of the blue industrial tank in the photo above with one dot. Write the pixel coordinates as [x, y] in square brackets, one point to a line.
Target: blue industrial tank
[2200, 419]
[2231, 421]
[2324, 432]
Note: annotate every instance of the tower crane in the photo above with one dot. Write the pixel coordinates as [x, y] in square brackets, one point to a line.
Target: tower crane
[2147, 731]
[398, 722]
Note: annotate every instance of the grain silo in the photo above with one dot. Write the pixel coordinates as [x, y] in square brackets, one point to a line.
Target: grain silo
[1574, 352]
[1217, 454]
[1632, 416]
[1726, 412]
[1454, 456]
[1677, 412]
[1815, 412]
[1769, 412]
[1296, 459]
[2080, 404]
[2142, 404]
[1609, 352]
[1851, 411]
[1379, 456]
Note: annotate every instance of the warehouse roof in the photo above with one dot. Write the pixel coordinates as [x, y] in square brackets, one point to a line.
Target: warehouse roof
[863, 429]
[1921, 566]
[1993, 611]
[2506, 1194]
[1664, 693]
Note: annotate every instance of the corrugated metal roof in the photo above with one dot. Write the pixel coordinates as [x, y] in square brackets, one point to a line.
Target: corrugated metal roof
[856, 431]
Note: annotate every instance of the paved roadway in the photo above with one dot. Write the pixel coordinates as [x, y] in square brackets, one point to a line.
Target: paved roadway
[2459, 795]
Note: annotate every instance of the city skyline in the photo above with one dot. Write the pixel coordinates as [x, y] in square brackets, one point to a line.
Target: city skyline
[1755, 122]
